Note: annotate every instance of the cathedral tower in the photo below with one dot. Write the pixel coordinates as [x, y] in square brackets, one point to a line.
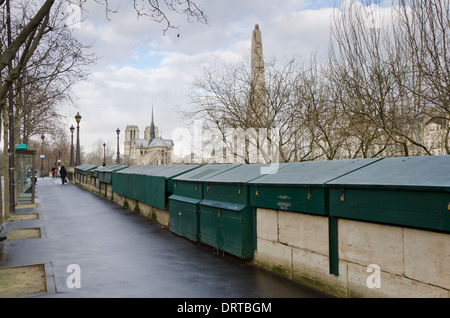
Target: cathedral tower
[131, 134]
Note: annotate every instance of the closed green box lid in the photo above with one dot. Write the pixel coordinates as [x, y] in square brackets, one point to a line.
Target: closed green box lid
[243, 173]
[171, 171]
[418, 173]
[205, 172]
[406, 191]
[312, 173]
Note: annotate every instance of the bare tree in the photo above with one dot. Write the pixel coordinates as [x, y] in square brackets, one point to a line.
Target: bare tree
[367, 63]
[423, 38]
[158, 10]
[223, 100]
[45, 83]
[100, 152]
[22, 47]
[38, 23]
[322, 113]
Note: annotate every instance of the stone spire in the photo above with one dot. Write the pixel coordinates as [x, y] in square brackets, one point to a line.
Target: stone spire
[257, 113]
[152, 128]
[257, 61]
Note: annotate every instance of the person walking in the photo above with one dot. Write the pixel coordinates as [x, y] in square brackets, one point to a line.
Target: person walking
[63, 174]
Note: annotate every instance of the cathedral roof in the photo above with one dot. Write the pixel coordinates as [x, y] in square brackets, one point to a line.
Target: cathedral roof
[157, 142]
[141, 143]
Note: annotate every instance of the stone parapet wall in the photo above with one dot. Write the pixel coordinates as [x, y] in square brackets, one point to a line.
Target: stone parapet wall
[158, 215]
[375, 260]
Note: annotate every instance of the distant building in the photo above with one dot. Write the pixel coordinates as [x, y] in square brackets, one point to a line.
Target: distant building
[152, 150]
[434, 135]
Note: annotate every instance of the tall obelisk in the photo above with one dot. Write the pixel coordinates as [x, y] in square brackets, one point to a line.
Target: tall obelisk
[257, 113]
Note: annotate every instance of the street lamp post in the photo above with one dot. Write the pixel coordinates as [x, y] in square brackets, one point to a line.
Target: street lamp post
[104, 154]
[72, 129]
[77, 155]
[118, 151]
[42, 156]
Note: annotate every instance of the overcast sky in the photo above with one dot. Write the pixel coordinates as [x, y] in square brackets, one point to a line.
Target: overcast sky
[140, 66]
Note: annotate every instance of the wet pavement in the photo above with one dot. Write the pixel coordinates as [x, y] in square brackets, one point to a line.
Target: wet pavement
[118, 253]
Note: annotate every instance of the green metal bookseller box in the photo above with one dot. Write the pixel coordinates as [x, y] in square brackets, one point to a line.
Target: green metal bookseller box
[227, 221]
[300, 186]
[84, 171]
[187, 193]
[129, 182]
[104, 174]
[183, 216]
[94, 174]
[190, 184]
[408, 191]
[159, 183]
[140, 183]
[150, 184]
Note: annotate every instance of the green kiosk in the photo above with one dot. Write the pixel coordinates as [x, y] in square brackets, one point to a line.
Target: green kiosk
[227, 220]
[187, 194]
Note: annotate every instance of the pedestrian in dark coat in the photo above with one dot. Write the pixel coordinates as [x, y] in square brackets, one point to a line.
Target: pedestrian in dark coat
[63, 174]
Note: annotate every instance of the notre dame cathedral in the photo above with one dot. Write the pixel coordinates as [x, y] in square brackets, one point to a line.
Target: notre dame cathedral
[152, 150]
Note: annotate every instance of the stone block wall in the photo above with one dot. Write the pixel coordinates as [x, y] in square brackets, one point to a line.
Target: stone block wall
[158, 215]
[375, 260]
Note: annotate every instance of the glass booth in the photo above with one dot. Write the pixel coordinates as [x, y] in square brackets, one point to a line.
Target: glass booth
[25, 168]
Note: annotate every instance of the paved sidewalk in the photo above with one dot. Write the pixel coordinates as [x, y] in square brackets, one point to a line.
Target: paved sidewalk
[123, 254]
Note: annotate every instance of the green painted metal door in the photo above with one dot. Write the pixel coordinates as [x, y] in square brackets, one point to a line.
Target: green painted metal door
[183, 216]
[209, 225]
[227, 227]
[175, 210]
[231, 233]
[189, 189]
[155, 192]
[187, 219]
[289, 198]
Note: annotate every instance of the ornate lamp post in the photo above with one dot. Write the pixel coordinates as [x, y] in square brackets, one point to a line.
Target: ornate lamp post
[42, 155]
[77, 155]
[104, 154]
[118, 151]
[72, 129]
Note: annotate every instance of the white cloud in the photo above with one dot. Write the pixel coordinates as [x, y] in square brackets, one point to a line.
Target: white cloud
[141, 66]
